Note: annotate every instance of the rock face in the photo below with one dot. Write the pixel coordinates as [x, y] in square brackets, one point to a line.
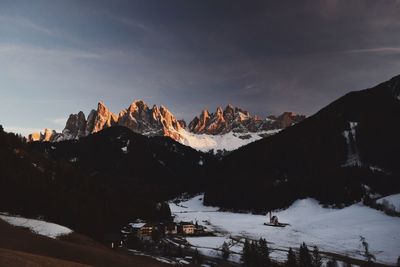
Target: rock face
[150, 121]
[75, 127]
[238, 120]
[48, 136]
[100, 119]
[159, 121]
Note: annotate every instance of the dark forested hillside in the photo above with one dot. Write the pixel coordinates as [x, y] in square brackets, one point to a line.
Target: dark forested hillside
[335, 156]
[98, 183]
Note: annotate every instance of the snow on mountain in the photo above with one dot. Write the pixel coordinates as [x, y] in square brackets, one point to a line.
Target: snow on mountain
[51, 230]
[226, 129]
[229, 141]
[332, 230]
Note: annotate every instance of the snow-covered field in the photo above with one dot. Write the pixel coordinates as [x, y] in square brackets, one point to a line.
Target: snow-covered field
[332, 230]
[393, 200]
[51, 230]
[229, 141]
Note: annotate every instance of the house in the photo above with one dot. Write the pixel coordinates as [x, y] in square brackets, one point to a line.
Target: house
[186, 228]
[141, 229]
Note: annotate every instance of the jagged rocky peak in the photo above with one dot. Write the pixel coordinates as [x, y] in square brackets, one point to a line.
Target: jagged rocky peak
[47, 136]
[286, 119]
[103, 118]
[75, 126]
[239, 120]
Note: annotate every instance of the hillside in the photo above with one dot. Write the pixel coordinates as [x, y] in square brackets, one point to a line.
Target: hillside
[345, 151]
[20, 247]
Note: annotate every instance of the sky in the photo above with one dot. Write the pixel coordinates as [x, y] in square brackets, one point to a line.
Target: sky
[60, 57]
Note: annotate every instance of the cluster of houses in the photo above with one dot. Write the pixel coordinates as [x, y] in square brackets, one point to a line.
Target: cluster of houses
[144, 230]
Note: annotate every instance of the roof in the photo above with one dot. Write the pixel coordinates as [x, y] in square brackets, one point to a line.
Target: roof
[137, 225]
[186, 223]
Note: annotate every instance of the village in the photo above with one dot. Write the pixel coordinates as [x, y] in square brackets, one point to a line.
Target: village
[147, 231]
[165, 241]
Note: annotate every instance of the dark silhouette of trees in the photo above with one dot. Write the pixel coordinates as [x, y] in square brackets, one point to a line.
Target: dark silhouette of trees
[225, 251]
[256, 254]
[332, 263]
[305, 259]
[316, 257]
[291, 259]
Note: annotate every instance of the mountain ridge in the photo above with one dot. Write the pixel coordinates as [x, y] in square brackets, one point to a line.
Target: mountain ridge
[159, 121]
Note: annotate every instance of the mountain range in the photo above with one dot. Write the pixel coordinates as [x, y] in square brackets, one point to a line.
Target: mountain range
[204, 132]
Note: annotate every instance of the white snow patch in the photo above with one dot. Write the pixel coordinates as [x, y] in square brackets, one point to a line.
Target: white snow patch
[393, 200]
[353, 158]
[229, 141]
[51, 230]
[332, 230]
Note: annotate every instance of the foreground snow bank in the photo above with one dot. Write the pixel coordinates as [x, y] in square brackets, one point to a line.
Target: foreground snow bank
[392, 200]
[51, 230]
[332, 230]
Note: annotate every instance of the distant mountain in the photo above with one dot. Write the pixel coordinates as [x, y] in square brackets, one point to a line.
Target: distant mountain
[346, 151]
[228, 129]
[233, 119]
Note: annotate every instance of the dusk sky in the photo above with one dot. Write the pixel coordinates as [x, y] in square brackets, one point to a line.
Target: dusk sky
[60, 57]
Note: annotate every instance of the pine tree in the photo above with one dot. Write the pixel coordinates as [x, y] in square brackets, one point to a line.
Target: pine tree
[398, 261]
[246, 252]
[197, 258]
[367, 254]
[332, 263]
[316, 258]
[263, 251]
[291, 259]
[225, 251]
[304, 256]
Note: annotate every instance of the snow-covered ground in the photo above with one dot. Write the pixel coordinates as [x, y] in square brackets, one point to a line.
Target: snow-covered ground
[393, 200]
[229, 141]
[332, 230]
[51, 230]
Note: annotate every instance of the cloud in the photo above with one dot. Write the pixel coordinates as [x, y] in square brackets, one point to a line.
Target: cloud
[390, 50]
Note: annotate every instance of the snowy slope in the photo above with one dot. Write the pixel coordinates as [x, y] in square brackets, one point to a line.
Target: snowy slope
[333, 230]
[229, 141]
[39, 227]
[391, 200]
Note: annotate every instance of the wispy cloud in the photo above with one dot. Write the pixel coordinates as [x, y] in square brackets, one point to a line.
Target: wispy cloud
[391, 50]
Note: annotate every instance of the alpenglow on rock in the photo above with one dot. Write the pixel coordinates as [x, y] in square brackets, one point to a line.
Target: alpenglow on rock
[240, 121]
[203, 132]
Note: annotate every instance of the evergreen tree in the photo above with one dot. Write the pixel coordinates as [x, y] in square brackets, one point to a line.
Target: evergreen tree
[263, 252]
[225, 251]
[332, 263]
[367, 254]
[304, 256]
[197, 258]
[398, 261]
[316, 258]
[246, 252]
[291, 259]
